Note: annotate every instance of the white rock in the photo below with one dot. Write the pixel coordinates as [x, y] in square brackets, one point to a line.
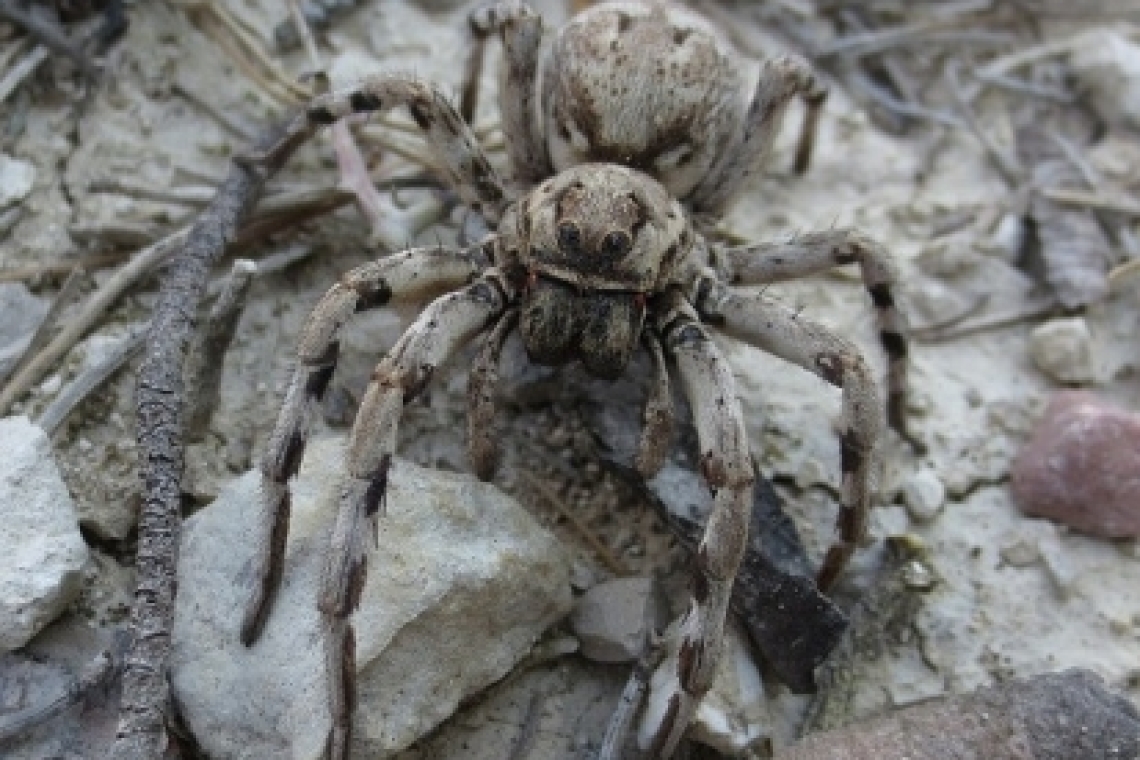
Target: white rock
[613, 619]
[42, 553]
[1108, 65]
[1063, 350]
[1008, 238]
[463, 582]
[733, 716]
[935, 302]
[924, 495]
[20, 313]
[1058, 566]
[16, 180]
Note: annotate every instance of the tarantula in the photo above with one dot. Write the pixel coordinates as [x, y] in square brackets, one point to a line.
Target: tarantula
[634, 140]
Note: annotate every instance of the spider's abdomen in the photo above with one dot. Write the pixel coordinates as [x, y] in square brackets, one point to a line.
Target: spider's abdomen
[559, 324]
[652, 88]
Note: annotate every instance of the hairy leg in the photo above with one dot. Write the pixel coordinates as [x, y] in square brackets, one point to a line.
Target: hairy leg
[521, 31]
[445, 325]
[817, 252]
[780, 79]
[694, 649]
[657, 419]
[482, 387]
[367, 287]
[788, 335]
[451, 139]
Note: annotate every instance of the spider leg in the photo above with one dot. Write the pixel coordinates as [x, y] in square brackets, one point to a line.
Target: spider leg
[788, 335]
[694, 650]
[445, 325]
[521, 31]
[367, 287]
[817, 252]
[658, 416]
[780, 79]
[451, 139]
[482, 387]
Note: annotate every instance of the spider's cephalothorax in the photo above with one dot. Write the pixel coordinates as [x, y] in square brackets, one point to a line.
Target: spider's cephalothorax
[641, 134]
[593, 243]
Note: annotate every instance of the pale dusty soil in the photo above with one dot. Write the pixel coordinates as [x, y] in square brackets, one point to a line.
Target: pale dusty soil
[995, 612]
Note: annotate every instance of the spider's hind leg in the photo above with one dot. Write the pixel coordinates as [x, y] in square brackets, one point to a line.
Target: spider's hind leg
[366, 287]
[521, 31]
[780, 80]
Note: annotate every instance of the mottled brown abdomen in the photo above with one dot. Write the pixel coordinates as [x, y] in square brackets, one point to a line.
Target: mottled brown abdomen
[650, 87]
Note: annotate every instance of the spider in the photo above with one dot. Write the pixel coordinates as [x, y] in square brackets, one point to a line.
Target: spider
[635, 139]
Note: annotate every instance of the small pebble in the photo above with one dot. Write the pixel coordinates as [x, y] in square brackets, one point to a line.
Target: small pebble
[1080, 466]
[1020, 553]
[1063, 350]
[936, 303]
[16, 180]
[1008, 238]
[613, 619]
[1107, 63]
[1058, 566]
[924, 495]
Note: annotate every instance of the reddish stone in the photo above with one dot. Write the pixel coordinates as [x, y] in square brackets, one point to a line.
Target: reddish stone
[1081, 467]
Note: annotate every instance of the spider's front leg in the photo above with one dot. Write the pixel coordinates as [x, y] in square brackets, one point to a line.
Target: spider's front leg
[482, 387]
[693, 652]
[407, 274]
[785, 333]
[446, 324]
[451, 139]
[816, 252]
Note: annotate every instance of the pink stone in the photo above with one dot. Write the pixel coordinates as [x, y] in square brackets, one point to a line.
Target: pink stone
[1081, 467]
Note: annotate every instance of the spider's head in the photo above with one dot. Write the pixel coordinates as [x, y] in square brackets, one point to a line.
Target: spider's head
[598, 240]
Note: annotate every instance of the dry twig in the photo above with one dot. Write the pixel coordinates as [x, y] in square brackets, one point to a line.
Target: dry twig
[608, 558]
[98, 673]
[141, 730]
[89, 380]
[49, 35]
[204, 367]
[22, 70]
[92, 311]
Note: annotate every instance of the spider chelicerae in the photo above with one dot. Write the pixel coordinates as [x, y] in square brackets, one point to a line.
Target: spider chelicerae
[627, 137]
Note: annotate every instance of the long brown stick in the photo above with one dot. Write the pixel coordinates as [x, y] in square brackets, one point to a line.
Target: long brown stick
[159, 402]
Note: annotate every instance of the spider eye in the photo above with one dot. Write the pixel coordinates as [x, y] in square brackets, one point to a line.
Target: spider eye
[616, 243]
[569, 237]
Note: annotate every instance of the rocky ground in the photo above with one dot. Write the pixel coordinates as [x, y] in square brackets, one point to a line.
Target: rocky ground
[1004, 277]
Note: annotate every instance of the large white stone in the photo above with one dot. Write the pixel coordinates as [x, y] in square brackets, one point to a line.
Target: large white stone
[463, 582]
[41, 551]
